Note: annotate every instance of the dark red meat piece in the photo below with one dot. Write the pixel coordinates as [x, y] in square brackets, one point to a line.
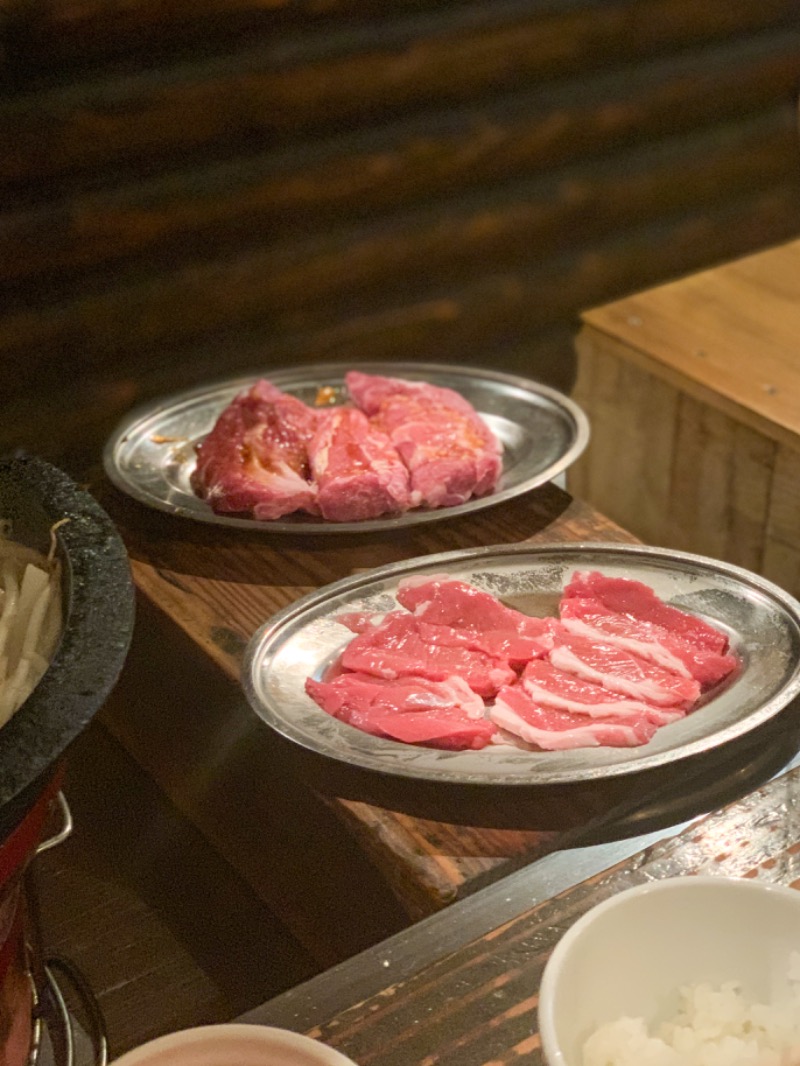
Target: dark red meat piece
[255, 459]
[356, 468]
[450, 452]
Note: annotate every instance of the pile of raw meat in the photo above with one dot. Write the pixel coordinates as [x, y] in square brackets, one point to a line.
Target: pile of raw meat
[455, 668]
[402, 445]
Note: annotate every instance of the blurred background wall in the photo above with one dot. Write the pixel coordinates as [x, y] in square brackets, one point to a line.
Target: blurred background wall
[195, 188]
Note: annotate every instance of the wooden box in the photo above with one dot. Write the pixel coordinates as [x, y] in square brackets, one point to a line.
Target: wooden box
[693, 392]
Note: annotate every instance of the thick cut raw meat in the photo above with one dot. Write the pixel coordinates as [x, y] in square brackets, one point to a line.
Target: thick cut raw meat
[493, 627]
[551, 729]
[450, 452]
[255, 459]
[442, 714]
[401, 646]
[551, 687]
[588, 617]
[638, 600]
[620, 671]
[356, 468]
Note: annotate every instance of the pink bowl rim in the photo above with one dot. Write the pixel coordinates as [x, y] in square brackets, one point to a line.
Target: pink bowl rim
[235, 1033]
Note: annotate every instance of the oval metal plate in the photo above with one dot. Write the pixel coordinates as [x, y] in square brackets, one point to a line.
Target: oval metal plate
[151, 455]
[763, 623]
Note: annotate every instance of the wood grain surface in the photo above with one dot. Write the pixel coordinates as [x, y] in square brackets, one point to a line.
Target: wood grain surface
[477, 1005]
[726, 336]
[218, 586]
[700, 379]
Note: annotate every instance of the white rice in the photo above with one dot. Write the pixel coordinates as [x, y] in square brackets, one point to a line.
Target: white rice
[714, 1026]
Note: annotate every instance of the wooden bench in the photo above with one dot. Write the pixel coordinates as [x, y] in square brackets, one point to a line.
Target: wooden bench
[693, 393]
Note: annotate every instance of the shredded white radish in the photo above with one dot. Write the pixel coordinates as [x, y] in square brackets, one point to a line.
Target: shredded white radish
[30, 618]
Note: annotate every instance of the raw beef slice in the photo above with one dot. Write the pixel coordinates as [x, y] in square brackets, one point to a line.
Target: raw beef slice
[255, 459]
[400, 647]
[589, 618]
[551, 687]
[356, 468]
[442, 714]
[494, 628]
[551, 729]
[450, 452]
[620, 671]
[638, 600]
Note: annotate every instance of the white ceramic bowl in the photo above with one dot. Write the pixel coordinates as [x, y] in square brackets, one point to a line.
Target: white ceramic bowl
[630, 954]
[233, 1045]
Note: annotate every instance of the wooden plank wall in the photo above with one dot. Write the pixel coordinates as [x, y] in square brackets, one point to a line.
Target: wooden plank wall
[199, 187]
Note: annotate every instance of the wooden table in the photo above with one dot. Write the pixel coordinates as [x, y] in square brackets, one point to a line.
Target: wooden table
[461, 989]
[693, 392]
[203, 591]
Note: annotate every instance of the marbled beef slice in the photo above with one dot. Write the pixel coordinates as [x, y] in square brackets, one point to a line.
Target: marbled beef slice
[551, 687]
[588, 617]
[620, 671]
[552, 729]
[637, 600]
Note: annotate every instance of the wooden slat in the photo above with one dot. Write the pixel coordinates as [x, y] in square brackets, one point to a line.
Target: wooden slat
[374, 170]
[487, 45]
[721, 481]
[629, 461]
[132, 324]
[146, 121]
[173, 222]
[75, 34]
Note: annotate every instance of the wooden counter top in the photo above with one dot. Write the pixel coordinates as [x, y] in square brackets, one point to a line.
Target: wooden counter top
[204, 590]
[214, 587]
[472, 999]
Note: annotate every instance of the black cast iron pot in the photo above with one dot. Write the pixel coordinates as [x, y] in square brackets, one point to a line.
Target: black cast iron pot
[98, 612]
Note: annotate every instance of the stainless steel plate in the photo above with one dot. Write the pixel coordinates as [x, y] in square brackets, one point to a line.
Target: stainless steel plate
[763, 623]
[151, 454]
